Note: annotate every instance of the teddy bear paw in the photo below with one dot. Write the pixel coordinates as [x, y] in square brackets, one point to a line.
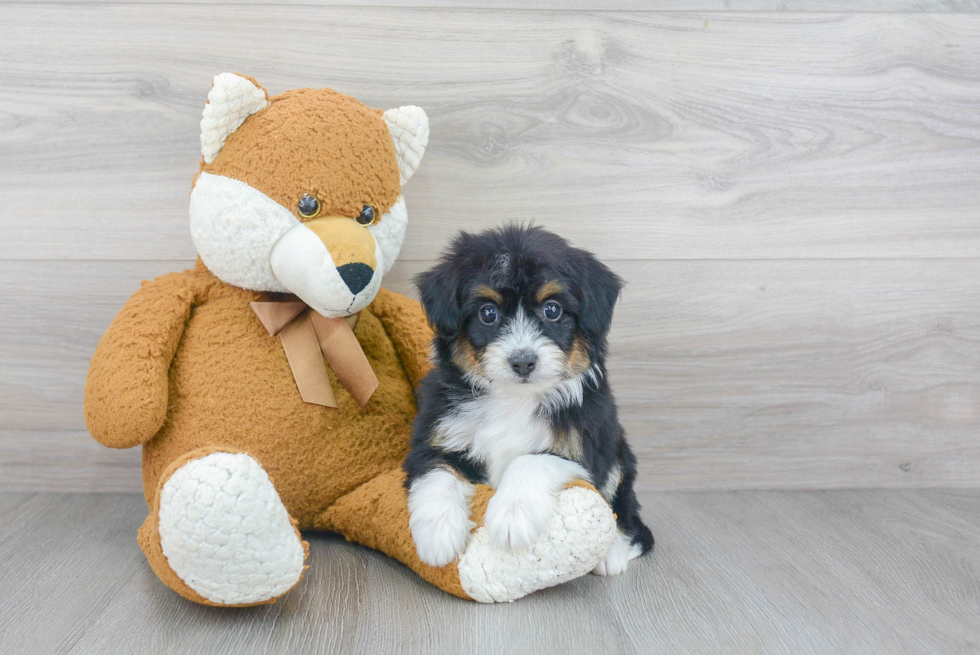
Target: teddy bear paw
[578, 536]
[226, 533]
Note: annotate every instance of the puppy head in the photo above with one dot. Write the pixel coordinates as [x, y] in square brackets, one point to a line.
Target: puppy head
[518, 308]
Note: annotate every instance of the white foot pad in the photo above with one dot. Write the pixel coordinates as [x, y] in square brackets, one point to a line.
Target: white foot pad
[225, 532]
[579, 535]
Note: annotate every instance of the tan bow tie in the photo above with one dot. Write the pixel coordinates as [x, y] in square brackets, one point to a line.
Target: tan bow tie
[308, 337]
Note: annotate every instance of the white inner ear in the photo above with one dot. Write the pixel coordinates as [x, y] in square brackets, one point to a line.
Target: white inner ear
[235, 228]
[409, 129]
[231, 100]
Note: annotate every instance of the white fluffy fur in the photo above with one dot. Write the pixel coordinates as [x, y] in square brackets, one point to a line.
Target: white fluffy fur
[226, 533]
[409, 129]
[548, 383]
[495, 429]
[231, 100]
[524, 500]
[439, 507]
[522, 333]
[611, 485]
[618, 559]
[577, 538]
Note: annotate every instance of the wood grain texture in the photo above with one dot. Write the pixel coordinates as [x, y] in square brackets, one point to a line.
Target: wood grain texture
[738, 572]
[729, 374]
[645, 135]
[848, 6]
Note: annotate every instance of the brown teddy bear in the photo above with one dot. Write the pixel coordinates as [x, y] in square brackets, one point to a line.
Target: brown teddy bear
[272, 386]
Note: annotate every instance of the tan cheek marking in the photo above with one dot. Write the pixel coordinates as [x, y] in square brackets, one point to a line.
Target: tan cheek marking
[484, 291]
[549, 288]
[465, 358]
[578, 359]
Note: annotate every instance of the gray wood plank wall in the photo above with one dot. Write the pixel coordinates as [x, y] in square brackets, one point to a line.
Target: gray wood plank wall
[793, 197]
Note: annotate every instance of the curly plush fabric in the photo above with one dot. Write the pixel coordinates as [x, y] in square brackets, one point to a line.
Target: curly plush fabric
[232, 99]
[235, 463]
[580, 533]
[409, 130]
[339, 141]
[224, 531]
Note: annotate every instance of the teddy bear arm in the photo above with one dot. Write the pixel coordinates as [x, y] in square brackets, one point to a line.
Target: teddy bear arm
[405, 324]
[126, 393]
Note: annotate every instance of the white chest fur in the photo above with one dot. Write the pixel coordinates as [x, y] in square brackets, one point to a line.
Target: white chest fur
[494, 429]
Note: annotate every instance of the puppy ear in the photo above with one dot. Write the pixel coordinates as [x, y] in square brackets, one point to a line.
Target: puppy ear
[600, 290]
[439, 289]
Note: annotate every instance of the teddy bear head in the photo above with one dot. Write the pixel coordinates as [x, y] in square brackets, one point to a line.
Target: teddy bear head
[302, 192]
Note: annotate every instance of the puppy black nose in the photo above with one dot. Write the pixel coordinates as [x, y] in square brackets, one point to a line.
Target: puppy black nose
[523, 362]
[356, 276]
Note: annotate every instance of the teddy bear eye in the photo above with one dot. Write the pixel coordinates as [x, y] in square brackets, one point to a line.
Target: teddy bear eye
[488, 314]
[308, 206]
[551, 310]
[366, 216]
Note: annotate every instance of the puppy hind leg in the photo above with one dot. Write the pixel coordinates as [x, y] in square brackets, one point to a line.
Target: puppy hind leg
[627, 510]
[634, 538]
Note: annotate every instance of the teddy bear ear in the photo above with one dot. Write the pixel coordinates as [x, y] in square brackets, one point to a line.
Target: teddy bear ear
[409, 128]
[232, 99]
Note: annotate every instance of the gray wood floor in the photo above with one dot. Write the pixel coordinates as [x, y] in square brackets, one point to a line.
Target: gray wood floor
[755, 572]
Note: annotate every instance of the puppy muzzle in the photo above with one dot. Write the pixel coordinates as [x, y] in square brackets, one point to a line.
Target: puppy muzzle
[523, 363]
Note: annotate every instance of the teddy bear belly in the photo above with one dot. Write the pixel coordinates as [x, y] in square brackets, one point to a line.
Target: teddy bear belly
[231, 388]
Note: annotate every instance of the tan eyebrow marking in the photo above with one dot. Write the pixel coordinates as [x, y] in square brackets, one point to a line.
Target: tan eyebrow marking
[549, 288]
[486, 292]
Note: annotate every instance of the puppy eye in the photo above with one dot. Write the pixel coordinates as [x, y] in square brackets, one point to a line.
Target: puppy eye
[488, 314]
[308, 206]
[366, 216]
[551, 310]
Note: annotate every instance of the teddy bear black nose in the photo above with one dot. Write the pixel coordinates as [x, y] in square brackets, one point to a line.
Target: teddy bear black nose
[356, 276]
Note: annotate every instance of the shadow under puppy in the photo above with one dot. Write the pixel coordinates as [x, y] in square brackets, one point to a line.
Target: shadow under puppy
[518, 397]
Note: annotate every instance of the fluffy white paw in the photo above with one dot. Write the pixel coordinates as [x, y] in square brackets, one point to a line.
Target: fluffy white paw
[439, 516]
[577, 537]
[226, 533]
[515, 522]
[618, 559]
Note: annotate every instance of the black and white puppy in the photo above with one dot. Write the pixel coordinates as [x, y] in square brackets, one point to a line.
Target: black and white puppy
[518, 397]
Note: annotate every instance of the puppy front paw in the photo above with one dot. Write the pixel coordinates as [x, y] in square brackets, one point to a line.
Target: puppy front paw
[439, 540]
[439, 517]
[516, 522]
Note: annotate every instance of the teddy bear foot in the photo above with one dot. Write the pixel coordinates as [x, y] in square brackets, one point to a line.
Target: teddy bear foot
[225, 533]
[579, 535]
